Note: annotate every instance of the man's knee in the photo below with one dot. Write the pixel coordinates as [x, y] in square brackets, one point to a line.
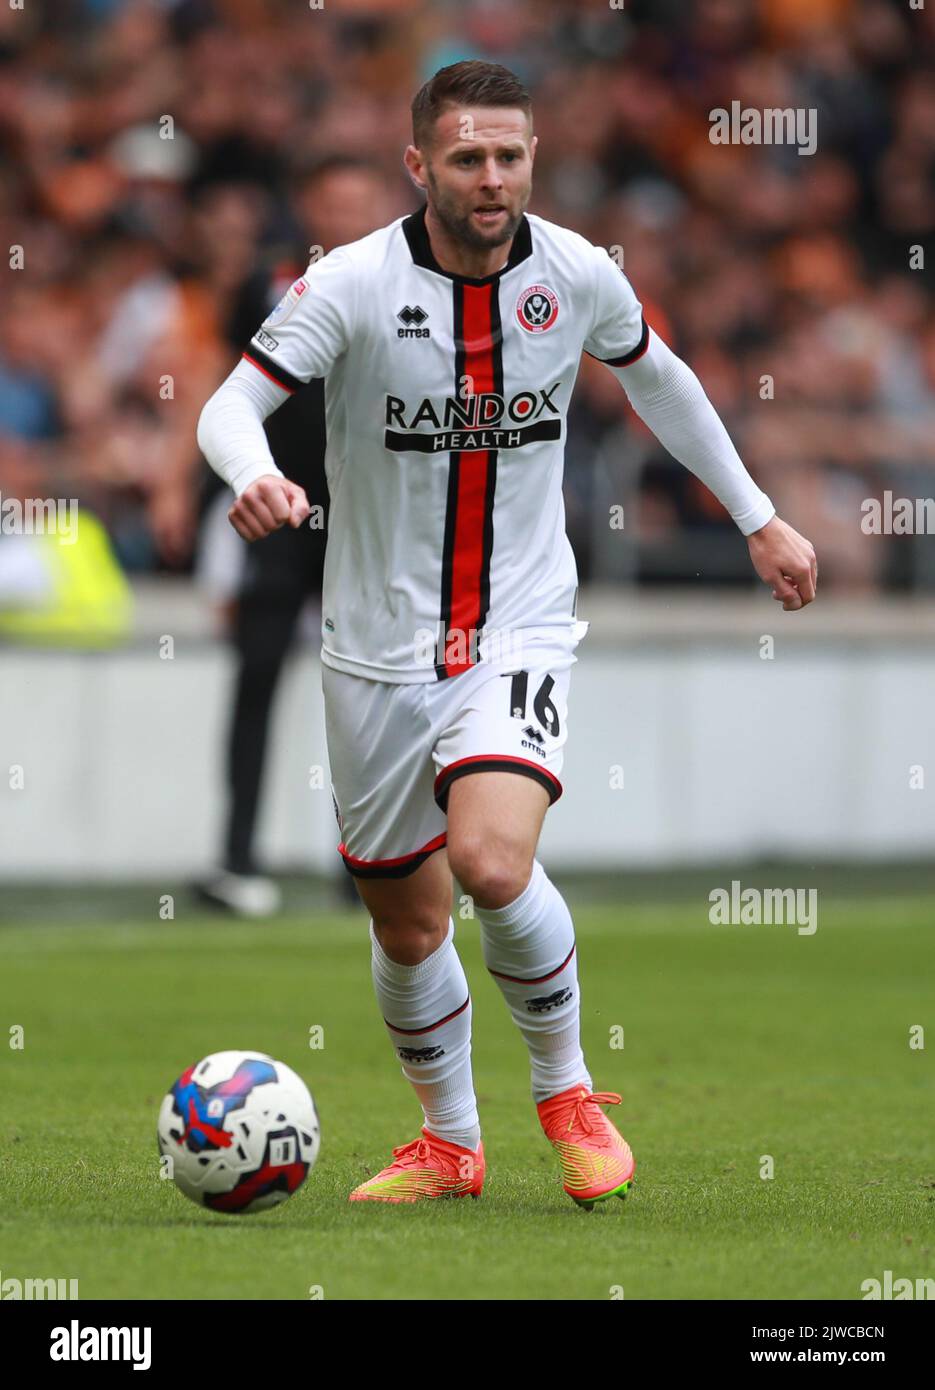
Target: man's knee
[409, 941]
[493, 873]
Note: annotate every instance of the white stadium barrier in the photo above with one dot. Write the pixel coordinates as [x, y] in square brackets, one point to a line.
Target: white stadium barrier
[685, 744]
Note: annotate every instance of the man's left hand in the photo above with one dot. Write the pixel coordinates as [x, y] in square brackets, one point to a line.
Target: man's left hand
[786, 561]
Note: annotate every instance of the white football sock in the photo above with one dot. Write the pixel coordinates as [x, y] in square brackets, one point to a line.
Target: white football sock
[427, 1012]
[529, 948]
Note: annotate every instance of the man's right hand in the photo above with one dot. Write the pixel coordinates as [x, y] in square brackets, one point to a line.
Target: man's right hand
[266, 505]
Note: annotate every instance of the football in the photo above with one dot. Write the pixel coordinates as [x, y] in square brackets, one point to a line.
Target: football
[241, 1131]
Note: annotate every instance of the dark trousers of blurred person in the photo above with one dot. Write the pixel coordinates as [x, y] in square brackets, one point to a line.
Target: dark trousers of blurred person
[334, 201]
[281, 573]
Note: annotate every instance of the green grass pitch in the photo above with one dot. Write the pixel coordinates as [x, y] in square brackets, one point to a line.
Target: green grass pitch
[739, 1042]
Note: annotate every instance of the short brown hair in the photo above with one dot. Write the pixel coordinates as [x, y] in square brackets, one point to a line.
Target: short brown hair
[471, 83]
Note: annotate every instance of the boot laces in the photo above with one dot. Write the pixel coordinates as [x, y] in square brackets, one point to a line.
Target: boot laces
[585, 1118]
[417, 1151]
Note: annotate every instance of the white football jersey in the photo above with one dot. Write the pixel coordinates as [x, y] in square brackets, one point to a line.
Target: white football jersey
[446, 403]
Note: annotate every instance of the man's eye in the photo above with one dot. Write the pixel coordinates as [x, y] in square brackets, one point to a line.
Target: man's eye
[511, 156]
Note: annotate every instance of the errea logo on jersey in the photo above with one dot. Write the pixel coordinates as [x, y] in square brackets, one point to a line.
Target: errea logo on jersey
[537, 308]
[413, 320]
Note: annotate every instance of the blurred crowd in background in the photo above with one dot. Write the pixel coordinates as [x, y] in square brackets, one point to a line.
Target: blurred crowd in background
[160, 155]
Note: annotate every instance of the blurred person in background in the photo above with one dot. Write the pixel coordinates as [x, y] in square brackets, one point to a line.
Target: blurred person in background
[745, 252]
[338, 200]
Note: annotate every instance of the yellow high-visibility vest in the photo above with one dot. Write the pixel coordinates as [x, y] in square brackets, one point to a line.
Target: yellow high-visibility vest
[86, 602]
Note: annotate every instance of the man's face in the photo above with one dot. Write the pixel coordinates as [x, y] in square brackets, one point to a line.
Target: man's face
[477, 172]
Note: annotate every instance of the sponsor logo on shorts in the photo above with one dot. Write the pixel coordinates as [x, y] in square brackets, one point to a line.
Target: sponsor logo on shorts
[533, 740]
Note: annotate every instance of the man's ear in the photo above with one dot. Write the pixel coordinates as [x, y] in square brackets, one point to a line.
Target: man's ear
[414, 165]
[532, 148]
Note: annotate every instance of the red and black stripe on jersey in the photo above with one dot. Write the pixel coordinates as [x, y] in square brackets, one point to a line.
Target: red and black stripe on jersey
[472, 474]
[264, 363]
[472, 479]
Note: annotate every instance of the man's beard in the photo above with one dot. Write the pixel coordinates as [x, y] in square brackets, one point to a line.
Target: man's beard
[461, 228]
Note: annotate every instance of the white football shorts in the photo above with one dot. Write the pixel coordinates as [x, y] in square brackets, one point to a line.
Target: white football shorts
[395, 749]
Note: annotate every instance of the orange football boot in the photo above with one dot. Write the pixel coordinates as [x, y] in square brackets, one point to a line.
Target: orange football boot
[426, 1168]
[596, 1159]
